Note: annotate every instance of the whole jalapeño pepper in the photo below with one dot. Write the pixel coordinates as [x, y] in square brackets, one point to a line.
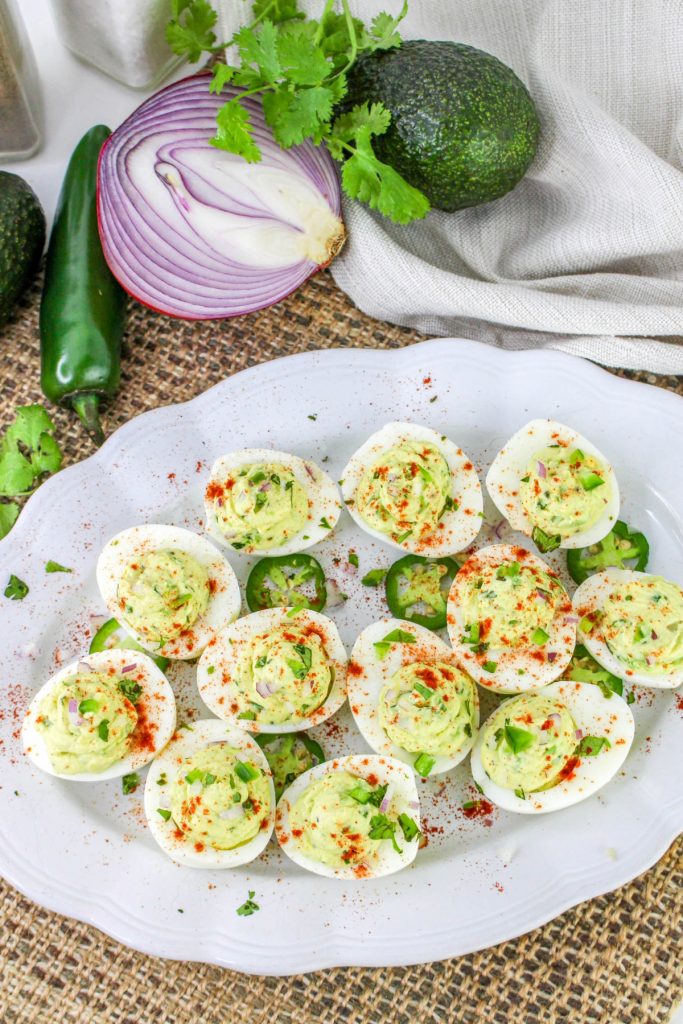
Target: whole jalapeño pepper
[82, 311]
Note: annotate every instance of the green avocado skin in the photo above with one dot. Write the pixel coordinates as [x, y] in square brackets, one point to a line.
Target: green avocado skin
[22, 239]
[463, 129]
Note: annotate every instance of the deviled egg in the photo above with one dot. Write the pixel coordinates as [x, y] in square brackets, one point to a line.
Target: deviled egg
[543, 751]
[354, 817]
[101, 717]
[632, 624]
[260, 500]
[168, 587]
[553, 485]
[277, 670]
[209, 797]
[510, 620]
[414, 489]
[409, 697]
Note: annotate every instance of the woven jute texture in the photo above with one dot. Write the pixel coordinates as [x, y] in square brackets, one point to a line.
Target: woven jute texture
[613, 960]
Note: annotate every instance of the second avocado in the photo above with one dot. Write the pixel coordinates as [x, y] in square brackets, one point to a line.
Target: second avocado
[463, 129]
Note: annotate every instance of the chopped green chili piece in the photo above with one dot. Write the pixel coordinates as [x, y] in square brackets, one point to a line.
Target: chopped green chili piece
[540, 637]
[424, 764]
[245, 772]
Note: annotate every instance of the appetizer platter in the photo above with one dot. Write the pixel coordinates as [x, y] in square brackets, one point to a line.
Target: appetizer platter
[386, 643]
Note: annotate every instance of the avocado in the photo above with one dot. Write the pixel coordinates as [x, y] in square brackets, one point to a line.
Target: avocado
[22, 239]
[463, 127]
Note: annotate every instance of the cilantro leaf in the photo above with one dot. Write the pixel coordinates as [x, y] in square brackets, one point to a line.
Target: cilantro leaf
[383, 29]
[30, 422]
[300, 115]
[277, 10]
[16, 589]
[222, 74]
[248, 907]
[260, 47]
[190, 31]
[375, 117]
[51, 566]
[374, 577]
[8, 517]
[590, 746]
[367, 179]
[234, 132]
[16, 473]
[130, 782]
[47, 457]
[303, 61]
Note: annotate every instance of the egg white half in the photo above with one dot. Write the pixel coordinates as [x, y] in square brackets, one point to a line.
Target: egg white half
[383, 771]
[458, 527]
[510, 465]
[594, 715]
[368, 675]
[322, 493]
[183, 744]
[521, 668]
[590, 597]
[224, 601]
[156, 701]
[222, 657]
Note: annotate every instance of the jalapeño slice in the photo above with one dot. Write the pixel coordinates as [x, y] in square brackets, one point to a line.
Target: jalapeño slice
[295, 581]
[622, 548]
[417, 588]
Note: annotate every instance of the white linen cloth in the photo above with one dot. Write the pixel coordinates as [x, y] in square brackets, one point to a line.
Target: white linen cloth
[586, 254]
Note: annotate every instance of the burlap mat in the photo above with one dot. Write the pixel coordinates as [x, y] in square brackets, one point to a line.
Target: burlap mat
[613, 960]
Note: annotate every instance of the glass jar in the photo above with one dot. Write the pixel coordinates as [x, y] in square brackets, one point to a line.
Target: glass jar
[126, 39]
[19, 90]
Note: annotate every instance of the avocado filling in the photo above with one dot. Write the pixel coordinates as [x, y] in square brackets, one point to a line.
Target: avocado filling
[528, 744]
[428, 708]
[282, 675]
[86, 722]
[336, 820]
[509, 605]
[564, 491]
[220, 800]
[405, 492]
[162, 594]
[259, 506]
[642, 624]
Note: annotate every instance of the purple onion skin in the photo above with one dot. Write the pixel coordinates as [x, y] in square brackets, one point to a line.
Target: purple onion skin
[325, 176]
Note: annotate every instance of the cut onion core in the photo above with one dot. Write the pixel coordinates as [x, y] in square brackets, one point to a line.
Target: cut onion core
[198, 233]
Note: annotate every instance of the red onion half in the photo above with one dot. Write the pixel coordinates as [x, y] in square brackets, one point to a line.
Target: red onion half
[198, 233]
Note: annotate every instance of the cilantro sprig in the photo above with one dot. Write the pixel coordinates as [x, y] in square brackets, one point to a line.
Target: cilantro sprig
[298, 66]
[28, 452]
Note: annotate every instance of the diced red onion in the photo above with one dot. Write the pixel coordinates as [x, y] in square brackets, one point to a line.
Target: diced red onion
[414, 805]
[265, 487]
[386, 800]
[198, 233]
[555, 718]
[73, 706]
[129, 668]
[654, 635]
[232, 813]
[264, 689]
[543, 596]
[390, 696]
[499, 528]
[309, 471]
[552, 655]
[571, 618]
[335, 597]
[650, 659]
[579, 734]
[542, 471]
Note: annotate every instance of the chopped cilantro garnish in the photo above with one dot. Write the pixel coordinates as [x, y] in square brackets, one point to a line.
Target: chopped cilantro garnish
[520, 793]
[592, 745]
[353, 558]
[544, 541]
[164, 813]
[16, 589]
[396, 636]
[56, 567]
[382, 828]
[374, 577]
[362, 794]
[507, 571]
[103, 730]
[517, 739]
[424, 691]
[630, 697]
[130, 782]
[248, 907]
[88, 706]
[130, 690]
